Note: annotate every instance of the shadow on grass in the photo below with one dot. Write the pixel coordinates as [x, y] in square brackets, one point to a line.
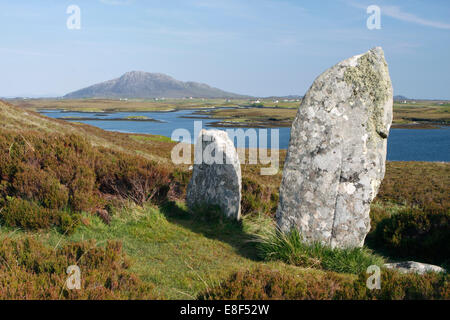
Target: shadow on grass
[415, 234]
[391, 256]
[210, 222]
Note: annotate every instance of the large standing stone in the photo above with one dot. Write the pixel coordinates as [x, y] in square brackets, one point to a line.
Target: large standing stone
[337, 152]
[216, 176]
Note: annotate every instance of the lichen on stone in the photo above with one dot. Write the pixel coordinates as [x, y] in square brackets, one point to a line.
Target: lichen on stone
[366, 80]
[337, 153]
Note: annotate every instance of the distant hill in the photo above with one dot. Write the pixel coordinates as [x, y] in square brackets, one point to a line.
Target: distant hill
[289, 97]
[398, 98]
[144, 85]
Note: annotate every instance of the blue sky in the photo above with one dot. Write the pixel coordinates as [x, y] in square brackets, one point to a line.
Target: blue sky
[256, 47]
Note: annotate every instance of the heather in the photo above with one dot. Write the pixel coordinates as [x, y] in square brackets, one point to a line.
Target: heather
[47, 179]
[266, 284]
[29, 270]
[113, 204]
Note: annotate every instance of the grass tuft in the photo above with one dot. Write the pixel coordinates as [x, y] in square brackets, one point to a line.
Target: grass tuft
[291, 249]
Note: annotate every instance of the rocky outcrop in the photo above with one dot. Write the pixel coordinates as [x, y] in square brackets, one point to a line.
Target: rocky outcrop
[414, 267]
[216, 175]
[337, 152]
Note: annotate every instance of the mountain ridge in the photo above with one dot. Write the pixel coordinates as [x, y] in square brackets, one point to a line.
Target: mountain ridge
[140, 84]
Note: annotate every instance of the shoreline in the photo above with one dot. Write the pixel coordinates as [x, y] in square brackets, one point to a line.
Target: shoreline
[227, 121]
[111, 119]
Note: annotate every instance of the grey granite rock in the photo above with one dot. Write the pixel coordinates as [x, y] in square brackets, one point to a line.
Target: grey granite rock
[414, 267]
[337, 152]
[216, 176]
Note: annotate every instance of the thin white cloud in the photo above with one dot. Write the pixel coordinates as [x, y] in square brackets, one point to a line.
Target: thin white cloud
[396, 12]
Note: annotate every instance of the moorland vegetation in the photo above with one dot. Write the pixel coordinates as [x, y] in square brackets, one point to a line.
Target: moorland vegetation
[113, 204]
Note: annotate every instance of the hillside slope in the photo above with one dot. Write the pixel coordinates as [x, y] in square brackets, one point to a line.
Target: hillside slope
[144, 85]
[72, 193]
[17, 119]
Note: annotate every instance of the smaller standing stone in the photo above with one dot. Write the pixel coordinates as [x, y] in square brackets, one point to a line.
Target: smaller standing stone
[216, 177]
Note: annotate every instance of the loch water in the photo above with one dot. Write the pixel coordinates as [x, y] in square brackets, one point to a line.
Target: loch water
[403, 144]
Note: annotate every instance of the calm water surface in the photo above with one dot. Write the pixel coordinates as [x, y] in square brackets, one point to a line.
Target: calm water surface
[403, 144]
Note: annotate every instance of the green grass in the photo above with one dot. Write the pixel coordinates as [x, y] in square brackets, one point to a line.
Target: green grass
[178, 253]
[290, 248]
[147, 138]
[185, 254]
